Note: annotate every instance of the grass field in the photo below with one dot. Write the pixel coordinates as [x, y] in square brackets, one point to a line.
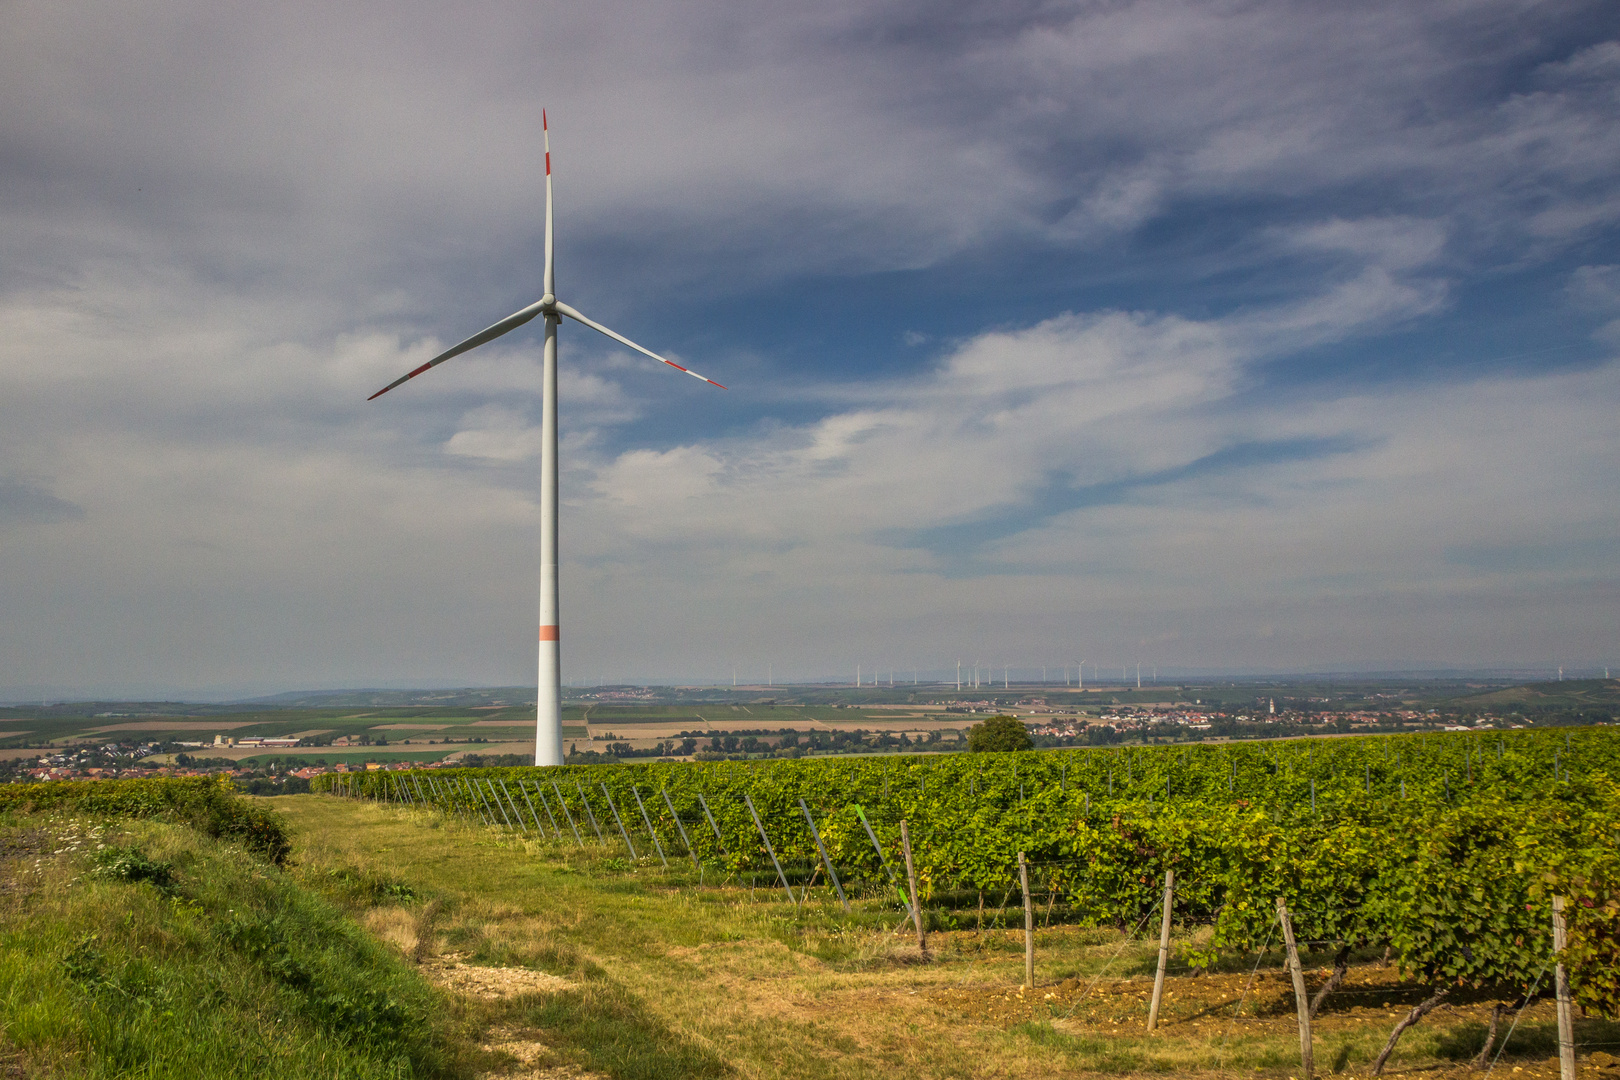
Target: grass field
[574, 958]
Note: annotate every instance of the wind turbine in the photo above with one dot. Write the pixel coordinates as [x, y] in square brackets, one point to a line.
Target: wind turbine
[548, 703]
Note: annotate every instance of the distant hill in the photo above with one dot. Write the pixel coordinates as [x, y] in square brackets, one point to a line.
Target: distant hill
[1571, 695]
[469, 698]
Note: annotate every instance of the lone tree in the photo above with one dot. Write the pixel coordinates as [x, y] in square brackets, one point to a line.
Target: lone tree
[999, 733]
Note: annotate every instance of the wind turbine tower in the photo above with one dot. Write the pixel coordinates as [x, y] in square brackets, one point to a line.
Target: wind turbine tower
[548, 700]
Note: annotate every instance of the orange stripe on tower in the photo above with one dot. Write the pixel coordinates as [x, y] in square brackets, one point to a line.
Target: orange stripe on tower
[548, 633]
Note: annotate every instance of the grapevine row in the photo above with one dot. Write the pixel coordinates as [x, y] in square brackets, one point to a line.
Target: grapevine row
[1443, 848]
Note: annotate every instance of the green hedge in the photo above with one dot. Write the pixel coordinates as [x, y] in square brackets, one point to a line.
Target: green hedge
[205, 804]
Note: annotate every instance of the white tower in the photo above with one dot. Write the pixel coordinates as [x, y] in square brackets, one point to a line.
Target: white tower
[548, 698]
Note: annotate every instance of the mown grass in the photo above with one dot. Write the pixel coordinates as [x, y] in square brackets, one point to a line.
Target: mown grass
[146, 948]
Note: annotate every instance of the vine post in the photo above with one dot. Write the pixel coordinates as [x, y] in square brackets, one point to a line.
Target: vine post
[690, 850]
[1566, 1019]
[748, 799]
[1029, 923]
[825, 861]
[911, 879]
[495, 800]
[1301, 1003]
[562, 802]
[617, 820]
[645, 817]
[1164, 950]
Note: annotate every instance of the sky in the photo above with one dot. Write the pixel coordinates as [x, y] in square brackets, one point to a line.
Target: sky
[1219, 336]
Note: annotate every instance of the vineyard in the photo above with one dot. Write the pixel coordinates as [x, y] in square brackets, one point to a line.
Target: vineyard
[1441, 853]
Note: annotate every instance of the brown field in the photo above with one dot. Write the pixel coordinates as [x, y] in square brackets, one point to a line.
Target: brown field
[644, 736]
[411, 727]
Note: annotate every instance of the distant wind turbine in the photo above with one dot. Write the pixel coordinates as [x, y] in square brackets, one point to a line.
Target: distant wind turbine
[548, 703]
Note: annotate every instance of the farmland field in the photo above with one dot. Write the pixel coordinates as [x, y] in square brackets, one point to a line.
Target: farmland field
[575, 922]
[1415, 869]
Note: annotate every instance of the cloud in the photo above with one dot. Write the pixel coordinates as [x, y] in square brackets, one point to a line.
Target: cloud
[1095, 229]
[1595, 288]
[1113, 475]
[25, 502]
[313, 150]
[1391, 243]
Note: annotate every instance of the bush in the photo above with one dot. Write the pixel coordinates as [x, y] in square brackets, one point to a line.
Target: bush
[999, 733]
[133, 864]
[206, 805]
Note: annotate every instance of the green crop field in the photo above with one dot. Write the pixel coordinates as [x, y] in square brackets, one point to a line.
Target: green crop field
[680, 920]
[1443, 851]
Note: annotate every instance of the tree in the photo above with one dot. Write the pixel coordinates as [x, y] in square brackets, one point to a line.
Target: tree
[999, 733]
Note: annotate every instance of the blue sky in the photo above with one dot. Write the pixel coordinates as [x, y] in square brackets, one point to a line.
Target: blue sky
[1262, 336]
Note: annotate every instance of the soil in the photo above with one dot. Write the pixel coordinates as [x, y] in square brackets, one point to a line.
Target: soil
[528, 1056]
[490, 982]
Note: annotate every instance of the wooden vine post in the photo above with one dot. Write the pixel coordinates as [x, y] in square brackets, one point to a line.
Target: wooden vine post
[1029, 923]
[1164, 950]
[1301, 1003]
[1566, 1019]
[911, 879]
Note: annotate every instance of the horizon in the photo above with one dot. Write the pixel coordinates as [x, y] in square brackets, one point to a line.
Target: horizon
[1509, 676]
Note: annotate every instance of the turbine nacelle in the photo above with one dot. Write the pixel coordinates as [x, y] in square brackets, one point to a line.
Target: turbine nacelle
[551, 307]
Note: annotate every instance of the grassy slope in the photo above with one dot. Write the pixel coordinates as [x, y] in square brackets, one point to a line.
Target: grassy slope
[676, 979]
[1574, 694]
[221, 966]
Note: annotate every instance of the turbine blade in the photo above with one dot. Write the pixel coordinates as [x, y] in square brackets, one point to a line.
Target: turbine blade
[564, 309]
[550, 271]
[506, 325]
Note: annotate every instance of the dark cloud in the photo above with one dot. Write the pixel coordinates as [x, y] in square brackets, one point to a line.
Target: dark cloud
[23, 502]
